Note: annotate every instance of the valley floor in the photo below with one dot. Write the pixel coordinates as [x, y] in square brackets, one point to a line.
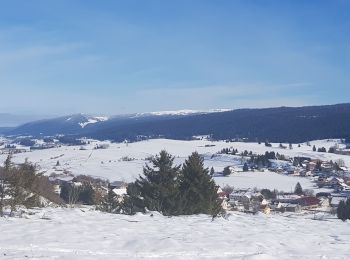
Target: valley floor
[82, 233]
[108, 163]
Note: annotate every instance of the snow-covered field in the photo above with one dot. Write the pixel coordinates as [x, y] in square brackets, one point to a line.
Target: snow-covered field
[83, 234]
[107, 163]
[261, 180]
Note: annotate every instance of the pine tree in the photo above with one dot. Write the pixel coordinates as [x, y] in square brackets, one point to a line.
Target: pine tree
[226, 171]
[347, 207]
[15, 183]
[318, 166]
[198, 190]
[133, 202]
[4, 173]
[157, 189]
[341, 210]
[212, 171]
[109, 203]
[298, 189]
[245, 167]
[296, 162]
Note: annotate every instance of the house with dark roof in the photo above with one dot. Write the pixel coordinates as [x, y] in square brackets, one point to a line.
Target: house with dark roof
[308, 202]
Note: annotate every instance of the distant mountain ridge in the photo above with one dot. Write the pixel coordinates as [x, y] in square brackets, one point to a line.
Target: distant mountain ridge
[281, 124]
[71, 124]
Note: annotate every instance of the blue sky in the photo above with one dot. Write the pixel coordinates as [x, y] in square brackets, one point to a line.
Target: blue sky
[113, 57]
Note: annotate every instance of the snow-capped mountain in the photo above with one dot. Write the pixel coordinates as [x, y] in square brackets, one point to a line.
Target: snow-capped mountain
[71, 124]
[281, 124]
[84, 124]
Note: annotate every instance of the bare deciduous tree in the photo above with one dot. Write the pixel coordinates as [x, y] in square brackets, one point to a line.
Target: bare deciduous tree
[73, 194]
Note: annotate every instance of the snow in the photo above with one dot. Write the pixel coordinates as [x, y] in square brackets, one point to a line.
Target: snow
[120, 192]
[93, 120]
[65, 233]
[177, 112]
[183, 112]
[108, 163]
[264, 180]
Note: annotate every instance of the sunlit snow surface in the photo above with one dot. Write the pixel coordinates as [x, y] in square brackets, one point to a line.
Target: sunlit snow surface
[84, 234]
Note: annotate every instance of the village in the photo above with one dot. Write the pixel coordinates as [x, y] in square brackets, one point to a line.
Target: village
[331, 179]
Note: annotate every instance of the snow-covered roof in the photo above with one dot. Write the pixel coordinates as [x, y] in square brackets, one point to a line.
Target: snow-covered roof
[120, 191]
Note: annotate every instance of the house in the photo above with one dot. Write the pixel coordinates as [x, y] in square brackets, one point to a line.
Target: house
[120, 191]
[288, 207]
[274, 205]
[240, 197]
[346, 180]
[308, 202]
[326, 166]
[341, 187]
[223, 195]
[292, 208]
[325, 202]
[293, 171]
[225, 205]
[246, 200]
[323, 195]
[117, 185]
[265, 209]
[334, 182]
[245, 196]
[287, 198]
[336, 200]
[310, 166]
[345, 194]
[305, 173]
[321, 181]
[119, 188]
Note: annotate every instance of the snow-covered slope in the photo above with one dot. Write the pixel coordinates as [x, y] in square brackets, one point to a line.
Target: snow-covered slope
[83, 234]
